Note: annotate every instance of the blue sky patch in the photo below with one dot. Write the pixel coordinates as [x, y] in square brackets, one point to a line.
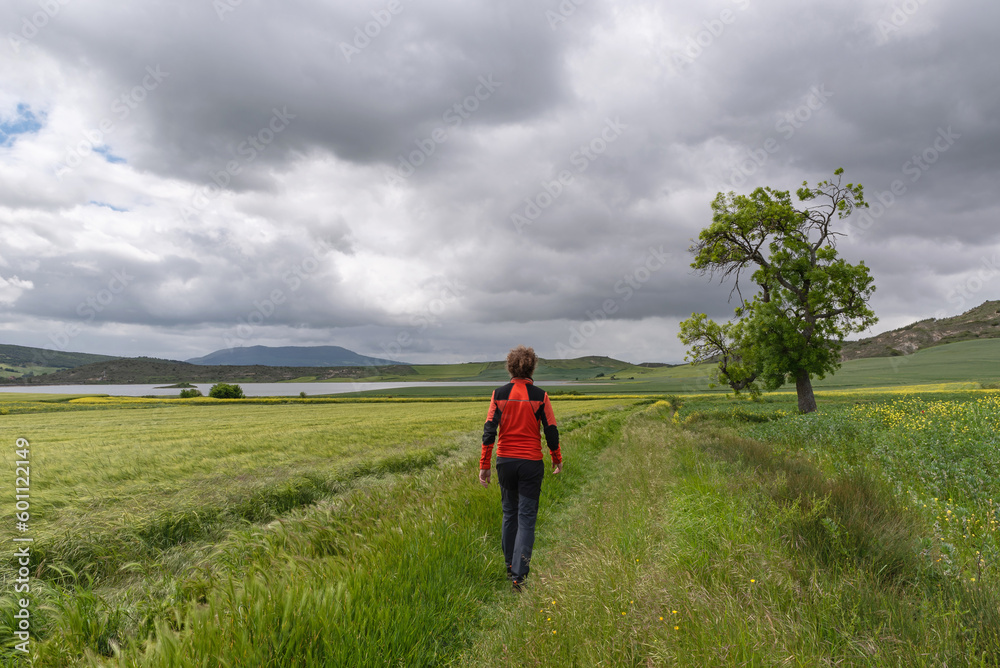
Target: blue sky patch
[108, 155]
[25, 121]
[112, 207]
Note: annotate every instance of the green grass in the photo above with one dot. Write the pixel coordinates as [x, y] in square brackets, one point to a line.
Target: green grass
[141, 518]
[112, 484]
[955, 362]
[698, 547]
[939, 454]
[727, 532]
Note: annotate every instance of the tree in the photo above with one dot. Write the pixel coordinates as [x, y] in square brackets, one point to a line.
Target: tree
[806, 298]
[726, 345]
[226, 391]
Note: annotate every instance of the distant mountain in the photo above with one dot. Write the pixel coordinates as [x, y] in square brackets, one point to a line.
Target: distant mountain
[982, 322]
[312, 356]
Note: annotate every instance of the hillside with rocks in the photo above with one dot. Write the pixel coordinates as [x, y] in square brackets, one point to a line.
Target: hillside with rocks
[981, 322]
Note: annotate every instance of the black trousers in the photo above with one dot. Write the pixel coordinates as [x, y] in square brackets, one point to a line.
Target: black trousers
[520, 487]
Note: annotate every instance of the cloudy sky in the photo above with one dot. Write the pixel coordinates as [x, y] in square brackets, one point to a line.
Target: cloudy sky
[438, 181]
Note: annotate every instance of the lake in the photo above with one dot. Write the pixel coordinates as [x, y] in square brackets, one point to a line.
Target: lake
[254, 389]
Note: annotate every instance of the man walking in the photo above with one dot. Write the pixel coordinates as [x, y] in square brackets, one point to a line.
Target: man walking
[517, 410]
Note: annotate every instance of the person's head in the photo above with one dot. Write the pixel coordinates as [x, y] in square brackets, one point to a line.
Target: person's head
[521, 362]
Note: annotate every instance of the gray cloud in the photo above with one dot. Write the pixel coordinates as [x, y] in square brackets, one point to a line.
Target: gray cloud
[375, 188]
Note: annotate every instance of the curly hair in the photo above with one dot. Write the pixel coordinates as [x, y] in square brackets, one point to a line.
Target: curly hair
[521, 362]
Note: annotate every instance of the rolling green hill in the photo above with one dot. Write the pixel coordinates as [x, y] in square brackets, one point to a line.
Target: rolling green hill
[976, 361]
[148, 370]
[982, 322]
[581, 368]
[18, 361]
[143, 370]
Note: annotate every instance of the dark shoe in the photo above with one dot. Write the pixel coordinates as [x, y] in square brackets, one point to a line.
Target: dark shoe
[517, 587]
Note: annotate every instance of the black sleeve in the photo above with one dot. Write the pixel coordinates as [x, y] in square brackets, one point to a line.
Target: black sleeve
[551, 431]
[552, 436]
[492, 423]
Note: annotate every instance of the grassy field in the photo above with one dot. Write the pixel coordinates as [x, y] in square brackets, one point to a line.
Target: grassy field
[963, 362]
[977, 360]
[698, 546]
[145, 511]
[315, 533]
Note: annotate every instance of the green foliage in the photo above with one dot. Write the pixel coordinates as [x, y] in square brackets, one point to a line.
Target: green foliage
[727, 344]
[188, 394]
[226, 391]
[807, 298]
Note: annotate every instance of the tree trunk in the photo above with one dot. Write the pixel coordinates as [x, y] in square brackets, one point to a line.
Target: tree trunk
[804, 388]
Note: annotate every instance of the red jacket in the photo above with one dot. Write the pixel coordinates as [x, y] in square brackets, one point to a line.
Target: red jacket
[517, 412]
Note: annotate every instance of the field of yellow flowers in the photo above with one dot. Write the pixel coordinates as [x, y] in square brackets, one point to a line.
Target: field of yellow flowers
[941, 456]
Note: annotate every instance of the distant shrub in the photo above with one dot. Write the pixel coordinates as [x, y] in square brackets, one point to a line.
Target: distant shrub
[226, 391]
[187, 394]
